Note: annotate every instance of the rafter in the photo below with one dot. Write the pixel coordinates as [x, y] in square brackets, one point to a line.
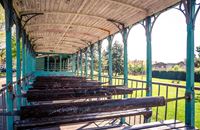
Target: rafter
[66, 24]
[71, 38]
[67, 34]
[64, 42]
[128, 5]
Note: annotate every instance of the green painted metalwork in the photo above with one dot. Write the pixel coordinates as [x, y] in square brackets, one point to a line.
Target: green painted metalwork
[77, 69]
[53, 73]
[48, 63]
[81, 63]
[110, 38]
[23, 62]
[149, 57]
[60, 62]
[18, 65]
[9, 93]
[92, 61]
[190, 101]
[55, 66]
[99, 61]
[86, 62]
[73, 63]
[125, 38]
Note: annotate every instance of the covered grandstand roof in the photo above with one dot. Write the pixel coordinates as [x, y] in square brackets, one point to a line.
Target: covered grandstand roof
[66, 26]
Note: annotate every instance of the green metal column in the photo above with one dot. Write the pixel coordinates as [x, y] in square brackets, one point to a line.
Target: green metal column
[23, 62]
[125, 38]
[110, 38]
[60, 62]
[81, 63]
[18, 63]
[48, 63]
[190, 101]
[99, 61]
[73, 63]
[149, 57]
[77, 64]
[55, 66]
[86, 62]
[9, 93]
[92, 61]
[26, 62]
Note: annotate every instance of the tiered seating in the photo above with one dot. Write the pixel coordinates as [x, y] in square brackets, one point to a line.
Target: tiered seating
[76, 88]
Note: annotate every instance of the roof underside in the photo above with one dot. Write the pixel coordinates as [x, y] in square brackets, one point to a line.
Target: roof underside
[66, 26]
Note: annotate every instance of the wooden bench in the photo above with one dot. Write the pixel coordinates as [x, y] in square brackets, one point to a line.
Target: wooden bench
[77, 108]
[60, 120]
[65, 94]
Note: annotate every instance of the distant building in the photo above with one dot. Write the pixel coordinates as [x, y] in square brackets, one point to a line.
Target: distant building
[167, 66]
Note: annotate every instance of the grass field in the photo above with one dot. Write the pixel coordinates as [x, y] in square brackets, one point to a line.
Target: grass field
[172, 92]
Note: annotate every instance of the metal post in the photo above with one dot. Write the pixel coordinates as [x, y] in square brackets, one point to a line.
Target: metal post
[9, 93]
[18, 63]
[190, 96]
[48, 63]
[23, 62]
[55, 66]
[73, 63]
[110, 38]
[99, 62]
[92, 61]
[125, 37]
[81, 63]
[149, 57]
[77, 64]
[60, 62]
[86, 62]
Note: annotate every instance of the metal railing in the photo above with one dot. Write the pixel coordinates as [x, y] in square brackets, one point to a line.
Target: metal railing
[3, 113]
[174, 94]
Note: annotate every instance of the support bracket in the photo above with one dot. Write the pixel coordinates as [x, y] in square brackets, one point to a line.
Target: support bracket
[183, 7]
[118, 24]
[153, 18]
[32, 15]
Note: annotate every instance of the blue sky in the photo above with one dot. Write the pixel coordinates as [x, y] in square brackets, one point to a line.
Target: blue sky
[168, 38]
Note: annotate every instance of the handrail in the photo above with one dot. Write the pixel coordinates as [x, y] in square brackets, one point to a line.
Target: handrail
[15, 82]
[159, 83]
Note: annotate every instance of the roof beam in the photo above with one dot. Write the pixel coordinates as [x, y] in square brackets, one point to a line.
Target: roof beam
[66, 13]
[128, 5]
[67, 24]
[69, 33]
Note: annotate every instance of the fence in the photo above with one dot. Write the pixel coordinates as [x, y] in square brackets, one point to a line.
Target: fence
[174, 94]
[3, 113]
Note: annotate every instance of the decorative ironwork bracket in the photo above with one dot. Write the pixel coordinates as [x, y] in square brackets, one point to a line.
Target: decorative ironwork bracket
[32, 16]
[153, 18]
[118, 24]
[183, 7]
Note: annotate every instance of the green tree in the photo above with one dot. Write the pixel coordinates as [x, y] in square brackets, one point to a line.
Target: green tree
[117, 58]
[197, 59]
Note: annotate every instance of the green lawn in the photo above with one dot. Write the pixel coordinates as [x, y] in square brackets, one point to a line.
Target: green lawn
[2, 74]
[171, 94]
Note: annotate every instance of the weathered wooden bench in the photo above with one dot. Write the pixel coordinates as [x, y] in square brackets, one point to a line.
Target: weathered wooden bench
[59, 120]
[64, 83]
[66, 94]
[77, 108]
